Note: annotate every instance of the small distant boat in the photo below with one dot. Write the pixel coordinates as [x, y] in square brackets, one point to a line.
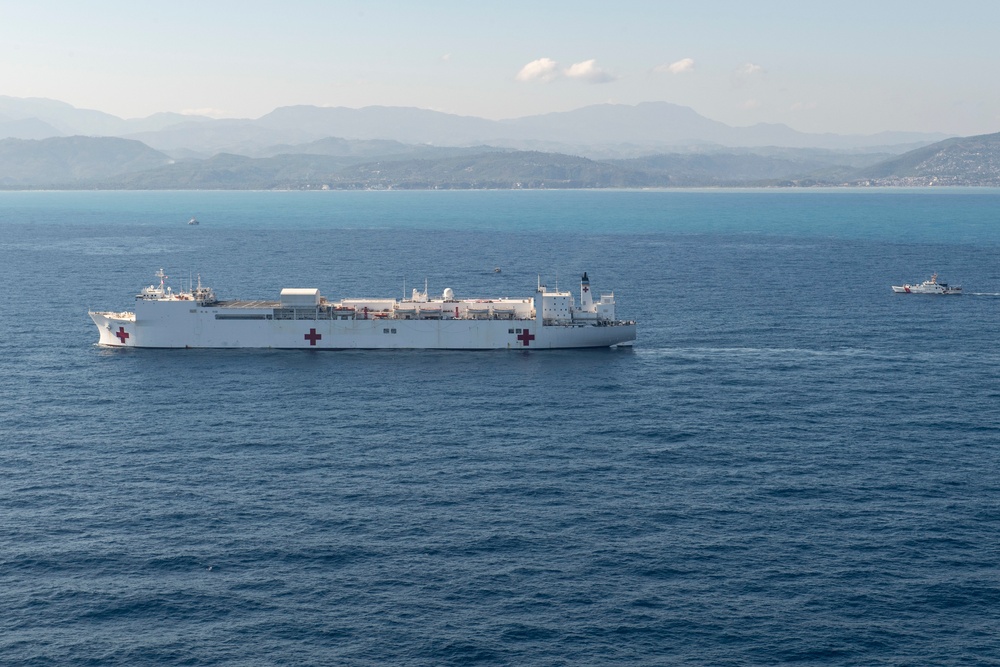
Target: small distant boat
[931, 286]
[496, 269]
[193, 221]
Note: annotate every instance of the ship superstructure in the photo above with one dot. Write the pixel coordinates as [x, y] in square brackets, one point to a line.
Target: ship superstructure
[303, 318]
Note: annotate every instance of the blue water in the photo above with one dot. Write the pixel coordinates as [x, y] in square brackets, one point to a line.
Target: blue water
[793, 465]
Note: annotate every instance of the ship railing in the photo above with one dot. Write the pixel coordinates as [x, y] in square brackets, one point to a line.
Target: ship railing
[304, 314]
[610, 323]
[122, 315]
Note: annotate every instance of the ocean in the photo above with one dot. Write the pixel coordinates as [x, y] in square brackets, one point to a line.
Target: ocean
[792, 465]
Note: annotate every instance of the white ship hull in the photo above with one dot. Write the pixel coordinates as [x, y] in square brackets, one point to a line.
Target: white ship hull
[200, 329]
[163, 319]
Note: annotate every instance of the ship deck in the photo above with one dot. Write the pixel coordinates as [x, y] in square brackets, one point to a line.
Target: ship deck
[257, 303]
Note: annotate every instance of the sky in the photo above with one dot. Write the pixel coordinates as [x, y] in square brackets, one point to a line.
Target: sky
[844, 67]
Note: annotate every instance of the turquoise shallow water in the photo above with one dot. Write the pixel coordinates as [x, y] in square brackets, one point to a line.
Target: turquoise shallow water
[792, 465]
[919, 215]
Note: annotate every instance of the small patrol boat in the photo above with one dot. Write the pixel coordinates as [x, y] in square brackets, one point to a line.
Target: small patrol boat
[931, 286]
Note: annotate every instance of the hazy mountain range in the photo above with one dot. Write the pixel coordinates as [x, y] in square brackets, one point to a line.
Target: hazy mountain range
[640, 128]
[50, 144]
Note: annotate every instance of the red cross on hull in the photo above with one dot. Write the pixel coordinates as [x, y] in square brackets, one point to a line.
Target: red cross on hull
[312, 337]
[122, 334]
[526, 337]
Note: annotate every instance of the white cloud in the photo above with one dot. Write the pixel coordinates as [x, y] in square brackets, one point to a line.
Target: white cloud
[543, 69]
[745, 74]
[589, 71]
[803, 106]
[679, 67]
[546, 70]
[750, 104]
[446, 57]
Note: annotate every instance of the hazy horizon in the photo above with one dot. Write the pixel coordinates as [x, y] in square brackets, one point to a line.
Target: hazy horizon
[851, 69]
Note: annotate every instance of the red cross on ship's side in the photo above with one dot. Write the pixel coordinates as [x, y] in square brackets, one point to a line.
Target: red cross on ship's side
[525, 337]
[122, 334]
[312, 336]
